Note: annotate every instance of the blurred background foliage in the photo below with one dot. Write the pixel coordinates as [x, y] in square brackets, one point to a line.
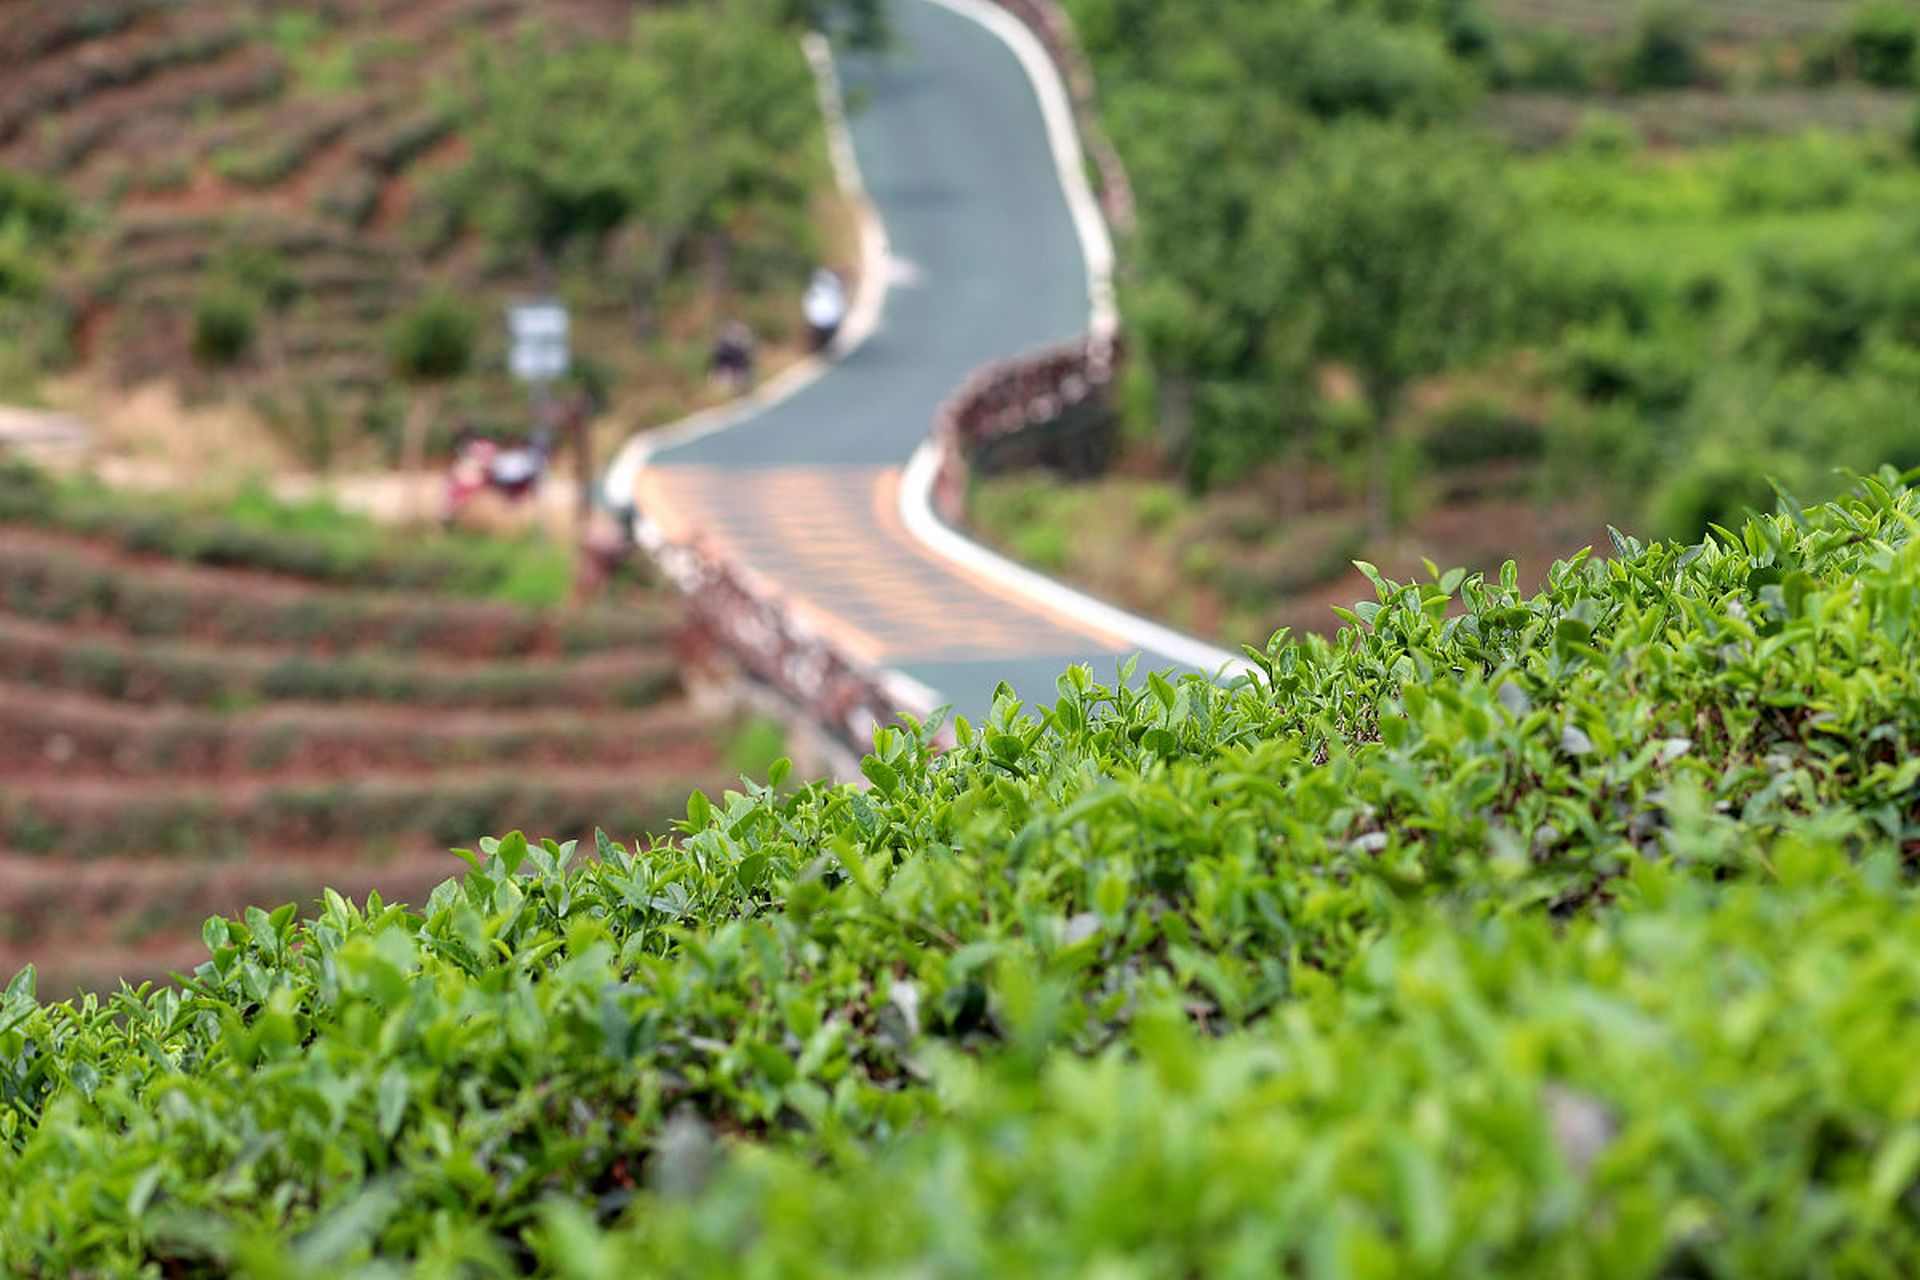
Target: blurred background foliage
[1471, 279]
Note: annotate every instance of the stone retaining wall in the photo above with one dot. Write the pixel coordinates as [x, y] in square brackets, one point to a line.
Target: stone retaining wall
[1049, 408]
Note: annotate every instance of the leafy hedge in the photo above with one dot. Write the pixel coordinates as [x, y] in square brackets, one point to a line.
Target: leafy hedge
[1558, 935]
[1709, 1087]
[196, 675]
[65, 584]
[179, 821]
[48, 735]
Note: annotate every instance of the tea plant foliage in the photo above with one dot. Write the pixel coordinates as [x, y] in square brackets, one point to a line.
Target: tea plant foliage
[1568, 934]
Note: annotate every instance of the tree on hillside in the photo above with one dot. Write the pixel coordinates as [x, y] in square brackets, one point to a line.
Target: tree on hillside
[692, 132]
[1389, 258]
[555, 138]
[1212, 101]
[1883, 37]
[226, 325]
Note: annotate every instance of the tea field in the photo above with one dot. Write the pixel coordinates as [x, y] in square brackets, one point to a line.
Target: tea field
[1632, 263]
[197, 713]
[1505, 935]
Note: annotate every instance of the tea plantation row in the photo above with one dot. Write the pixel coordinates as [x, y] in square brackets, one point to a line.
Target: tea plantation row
[1568, 935]
[203, 707]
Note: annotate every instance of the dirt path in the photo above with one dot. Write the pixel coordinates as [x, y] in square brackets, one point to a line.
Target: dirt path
[38, 433]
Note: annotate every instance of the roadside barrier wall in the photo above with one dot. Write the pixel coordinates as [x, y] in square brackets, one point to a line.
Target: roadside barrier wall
[738, 613]
[1049, 408]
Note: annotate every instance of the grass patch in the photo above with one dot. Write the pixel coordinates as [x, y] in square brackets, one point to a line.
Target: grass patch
[311, 539]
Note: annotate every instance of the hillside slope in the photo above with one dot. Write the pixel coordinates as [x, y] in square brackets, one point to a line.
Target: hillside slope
[1667, 248]
[179, 739]
[263, 190]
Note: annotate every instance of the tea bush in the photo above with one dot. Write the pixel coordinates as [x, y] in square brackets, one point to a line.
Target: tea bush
[175, 820]
[1565, 934]
[194, 675]
[48, 736]
[49, 580]
[1503, 1099]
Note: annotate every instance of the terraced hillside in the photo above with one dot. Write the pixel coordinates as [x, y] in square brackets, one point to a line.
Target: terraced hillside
[300, 166]
[1747, 68]
[178, 739]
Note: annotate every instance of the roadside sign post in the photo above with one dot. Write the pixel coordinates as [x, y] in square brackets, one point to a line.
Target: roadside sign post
[540, 356]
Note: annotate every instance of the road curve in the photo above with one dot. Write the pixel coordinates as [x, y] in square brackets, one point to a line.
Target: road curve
[951, 141]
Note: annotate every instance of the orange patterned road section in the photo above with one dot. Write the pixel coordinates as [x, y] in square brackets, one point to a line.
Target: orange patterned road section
[829, 538]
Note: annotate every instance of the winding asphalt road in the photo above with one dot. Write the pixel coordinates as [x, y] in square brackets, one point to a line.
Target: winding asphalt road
[951, 141]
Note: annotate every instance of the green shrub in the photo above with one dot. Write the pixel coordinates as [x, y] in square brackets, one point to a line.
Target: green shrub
[1606, 136]
[1666, 48]
[1823, 303]
[1884, 38]
[39, 207]
[226, 324]
[1567, 283]
[1157, 507]
[1546, 58]
[1812, 171]
[1478, 430]
[755, 745]
[1047, 547]
[1809, 427]
[1607, 365]
[1338, 64]
[1719, 484]
[433, 341]
[1571, 934]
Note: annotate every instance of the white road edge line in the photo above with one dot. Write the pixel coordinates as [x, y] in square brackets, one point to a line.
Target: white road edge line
[1063, 136]
[1096, 242]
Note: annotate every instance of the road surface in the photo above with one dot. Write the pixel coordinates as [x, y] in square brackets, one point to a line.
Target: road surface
[949, 134]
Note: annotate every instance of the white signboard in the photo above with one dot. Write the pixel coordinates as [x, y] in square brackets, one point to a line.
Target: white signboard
[539, 351]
